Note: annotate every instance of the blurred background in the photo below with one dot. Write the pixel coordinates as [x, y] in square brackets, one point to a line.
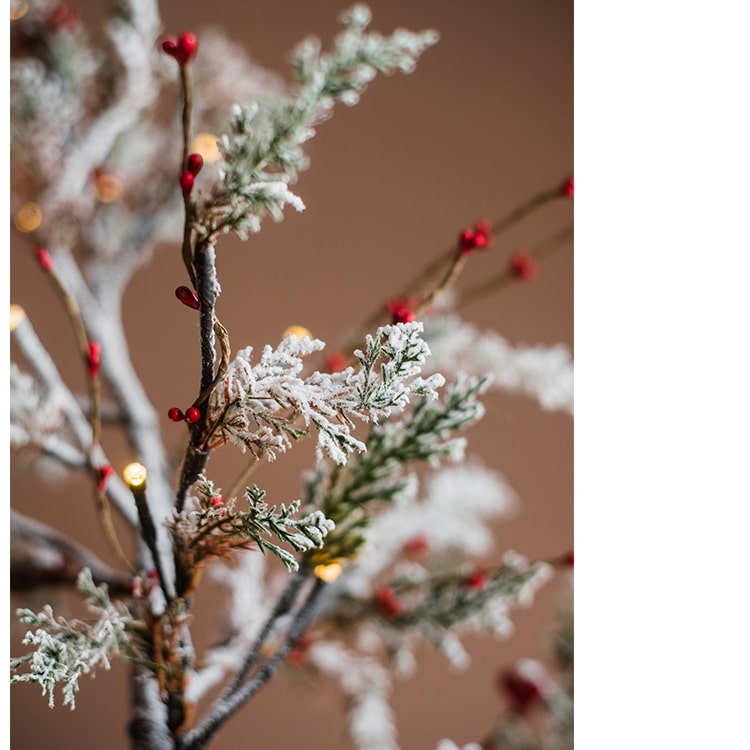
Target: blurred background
[485, 122]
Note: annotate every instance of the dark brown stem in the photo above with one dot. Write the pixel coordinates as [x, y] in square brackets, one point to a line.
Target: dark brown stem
[148, 534]
[42, 556]
[227, 705]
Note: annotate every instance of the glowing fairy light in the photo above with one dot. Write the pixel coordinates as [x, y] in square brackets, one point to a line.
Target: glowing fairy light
[28, 218]
[297, 331]
[134, 475]
[17, 314]
[328, 573]
[108, 188]
[18, 9]
[205, 145]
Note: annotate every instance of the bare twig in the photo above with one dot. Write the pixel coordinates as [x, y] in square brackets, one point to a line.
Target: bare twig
[225, 707]
[42, 556]
[46, 370]
[506, 277]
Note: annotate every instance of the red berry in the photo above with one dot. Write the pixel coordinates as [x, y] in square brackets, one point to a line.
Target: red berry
[194, 164]
[476, 239]
[187, 179]
[187, 296]
[566, 560]
[175, 414]
[44, 258]
[188, 47]
[94, 358]
[401, 310]
[524, 684]
[169, 45]
[523, 266]
[63, 18]
[466, 241]
[298, 654]
[218, 500]
[416, 546]
[336, 362]
[104, 473]
[192, 415]
[476, 582]
[566, 189]
[388, 603]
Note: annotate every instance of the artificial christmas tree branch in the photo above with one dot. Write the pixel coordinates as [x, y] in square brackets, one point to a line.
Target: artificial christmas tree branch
[108, 200]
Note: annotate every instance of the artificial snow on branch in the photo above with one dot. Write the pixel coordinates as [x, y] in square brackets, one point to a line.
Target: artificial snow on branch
[263, 153]
[64, 650]
[260, 406]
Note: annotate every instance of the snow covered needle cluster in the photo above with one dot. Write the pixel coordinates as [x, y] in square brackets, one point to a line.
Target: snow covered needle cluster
[374, 559]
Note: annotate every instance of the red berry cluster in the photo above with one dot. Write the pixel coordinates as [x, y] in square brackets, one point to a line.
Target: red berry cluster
[183, 49]
[478, 238]
[187, 296]
[187, 178]
[191, 415]
[401, 310]
[388, 603]
[523, 266]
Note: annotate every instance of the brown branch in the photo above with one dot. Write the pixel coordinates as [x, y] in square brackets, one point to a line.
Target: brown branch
[506, 277]
[42, 556]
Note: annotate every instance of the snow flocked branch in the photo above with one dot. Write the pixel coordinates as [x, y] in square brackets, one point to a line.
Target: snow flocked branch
[67, 649]
[263, 152]
[259, 406]
[212, 528]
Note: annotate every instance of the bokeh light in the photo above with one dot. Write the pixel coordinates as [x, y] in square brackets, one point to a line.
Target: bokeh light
[205, 145]
[108, 188]
[18, 9]
[328, 573]
[28, 218]
[17, 314]
[297, 331]
[134, 474]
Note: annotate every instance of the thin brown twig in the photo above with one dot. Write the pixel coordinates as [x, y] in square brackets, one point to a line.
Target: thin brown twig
[100, 496]
[506, 277]
[244, 475]
[451, 255]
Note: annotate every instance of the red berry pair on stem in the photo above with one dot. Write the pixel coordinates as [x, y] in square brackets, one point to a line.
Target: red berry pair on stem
[183, 49]
[191, 415]
[479, 238]
[187, 178]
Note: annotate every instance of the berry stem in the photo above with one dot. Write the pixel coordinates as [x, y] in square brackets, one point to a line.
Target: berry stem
[505, 278]
[94, 418]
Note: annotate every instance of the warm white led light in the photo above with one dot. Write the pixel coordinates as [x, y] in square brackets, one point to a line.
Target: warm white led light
[297, 331]
[17, 314]
[134, 474]
[328, 573]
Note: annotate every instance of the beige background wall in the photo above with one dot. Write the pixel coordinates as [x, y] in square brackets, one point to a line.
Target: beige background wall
[484, 122]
